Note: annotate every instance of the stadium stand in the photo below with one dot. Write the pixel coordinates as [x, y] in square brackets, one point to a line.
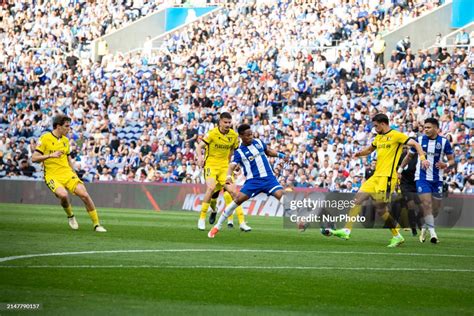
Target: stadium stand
[137, 117]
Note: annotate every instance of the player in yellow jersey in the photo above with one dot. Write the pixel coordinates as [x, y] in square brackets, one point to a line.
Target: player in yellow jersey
[219, 143]
[389, 145]
[53, 151]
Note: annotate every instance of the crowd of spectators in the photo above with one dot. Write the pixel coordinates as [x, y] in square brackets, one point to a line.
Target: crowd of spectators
[138, 117]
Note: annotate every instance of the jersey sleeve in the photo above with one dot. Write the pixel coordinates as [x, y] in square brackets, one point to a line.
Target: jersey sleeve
[418, 140]
[401, 138]
[448, 149]
[41, 146]
[236, 144]
[207, 137]
[263, 144]
[236, 158]
[68, 147]
[374, 142]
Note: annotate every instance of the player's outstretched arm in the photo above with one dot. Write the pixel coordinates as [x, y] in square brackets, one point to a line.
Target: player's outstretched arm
[365, 152]
[270, 152]
[425, 164]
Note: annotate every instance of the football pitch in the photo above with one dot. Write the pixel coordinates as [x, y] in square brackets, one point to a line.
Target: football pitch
[159, 263]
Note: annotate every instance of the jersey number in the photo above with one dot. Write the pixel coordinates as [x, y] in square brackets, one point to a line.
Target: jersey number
[51, 184]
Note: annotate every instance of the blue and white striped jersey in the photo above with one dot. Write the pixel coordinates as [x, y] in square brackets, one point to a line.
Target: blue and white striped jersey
[434, 149]
[253, 160]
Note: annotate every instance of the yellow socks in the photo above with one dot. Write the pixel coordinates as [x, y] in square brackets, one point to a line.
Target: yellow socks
[204, 208]
[391, 222]
[238, 210]
[68, 211]
[94, 217]
[213, 204]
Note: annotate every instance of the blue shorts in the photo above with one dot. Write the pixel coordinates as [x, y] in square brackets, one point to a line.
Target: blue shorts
[267, 185]
[433, 187]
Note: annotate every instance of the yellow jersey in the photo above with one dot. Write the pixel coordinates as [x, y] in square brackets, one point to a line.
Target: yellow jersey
[48, 144]
[389, 149]
[219, 146]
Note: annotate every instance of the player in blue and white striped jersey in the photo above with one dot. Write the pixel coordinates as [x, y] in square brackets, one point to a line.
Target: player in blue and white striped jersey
[252, 157]
[429, 182]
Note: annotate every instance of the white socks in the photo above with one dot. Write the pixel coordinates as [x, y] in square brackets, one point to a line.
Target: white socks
[429, 223]
[227, 212]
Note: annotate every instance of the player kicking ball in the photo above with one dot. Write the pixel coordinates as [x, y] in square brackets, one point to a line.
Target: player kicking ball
[429, 182]
[388, 144]
[53, 151]
[252, 157]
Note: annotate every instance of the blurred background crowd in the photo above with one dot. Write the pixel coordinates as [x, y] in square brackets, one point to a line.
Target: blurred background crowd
[137, 117]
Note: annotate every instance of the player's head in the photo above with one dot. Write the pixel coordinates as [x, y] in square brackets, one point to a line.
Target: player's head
[225, 122]
[62, 123]
[431, 127]
[245, 134]
[380, 121]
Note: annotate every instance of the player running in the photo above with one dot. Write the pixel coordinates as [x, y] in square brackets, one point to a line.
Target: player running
[429, 182]
[53, 151]
[252, 157]
[388, 144]
[220, 143]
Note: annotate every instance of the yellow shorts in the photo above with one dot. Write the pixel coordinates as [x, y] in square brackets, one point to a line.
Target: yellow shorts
[68, 180]
[217, 173]
[380, 187]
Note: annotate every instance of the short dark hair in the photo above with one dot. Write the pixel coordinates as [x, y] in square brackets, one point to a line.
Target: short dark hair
[242, 128]
[380, 118]
[60, 120]
[433, 121]
[225, 115]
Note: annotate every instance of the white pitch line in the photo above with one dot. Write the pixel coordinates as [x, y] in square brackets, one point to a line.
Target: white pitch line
[5, 259]
[76, 253]
[233, 267]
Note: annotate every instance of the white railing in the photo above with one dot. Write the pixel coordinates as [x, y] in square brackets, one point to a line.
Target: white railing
[163, 36]
[450, 39]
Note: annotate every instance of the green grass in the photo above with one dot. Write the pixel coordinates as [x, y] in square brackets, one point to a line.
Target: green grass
[307, 276]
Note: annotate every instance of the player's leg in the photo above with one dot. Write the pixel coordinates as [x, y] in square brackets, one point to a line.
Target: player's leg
[424, 189]
[241, 198]
[213, 206]
[81, 191]
[249, 189]
[412, 214]
[221, 180]
[385, 187]
[239, 211]
[211, 183]
[60, 192]
[436, 202]
[359, 198]
[62, 195]
[390, 222]
[426, 206]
